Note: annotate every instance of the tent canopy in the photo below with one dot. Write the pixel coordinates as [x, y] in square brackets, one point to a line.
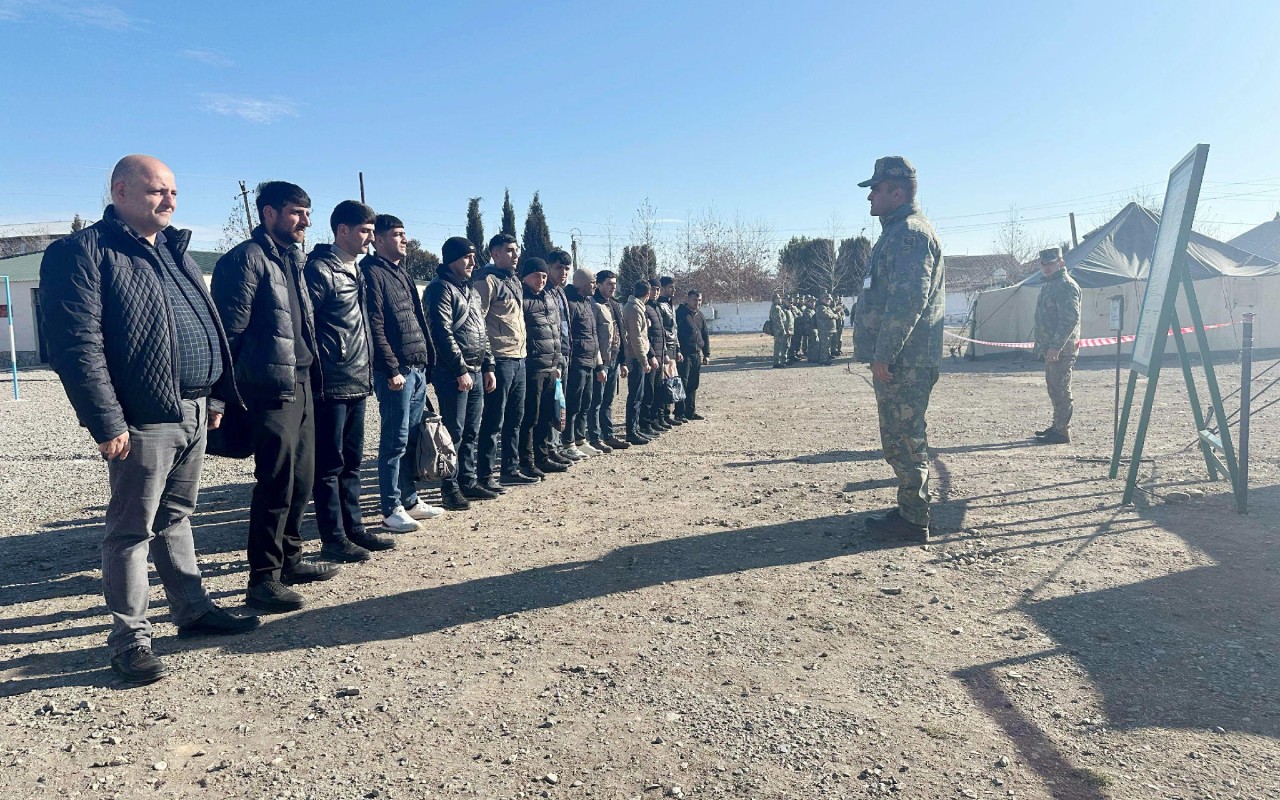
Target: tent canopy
[1120, 252]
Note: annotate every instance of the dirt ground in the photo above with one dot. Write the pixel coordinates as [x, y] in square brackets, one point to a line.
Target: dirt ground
[702, 617]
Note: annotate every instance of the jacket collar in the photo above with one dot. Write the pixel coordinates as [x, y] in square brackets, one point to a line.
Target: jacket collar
[899, 214]
[273, 250]
[177, 238]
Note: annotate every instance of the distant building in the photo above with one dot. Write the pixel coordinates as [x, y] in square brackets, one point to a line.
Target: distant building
[968, 275]
[30, 237]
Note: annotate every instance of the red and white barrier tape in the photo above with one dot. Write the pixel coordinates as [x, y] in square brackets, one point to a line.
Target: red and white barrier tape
[1099, 341]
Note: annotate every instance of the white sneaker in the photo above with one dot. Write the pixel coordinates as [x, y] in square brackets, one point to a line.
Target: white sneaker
[424, 511]
[400, 522]
[587, 450]
[573, 452]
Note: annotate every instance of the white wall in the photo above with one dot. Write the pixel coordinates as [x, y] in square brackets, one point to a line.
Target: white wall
[24, 323]
[745, 317]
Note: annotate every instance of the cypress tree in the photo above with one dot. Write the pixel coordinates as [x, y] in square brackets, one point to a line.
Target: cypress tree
[475, 231]
[639, 263]
[508, 214]
[537, 238]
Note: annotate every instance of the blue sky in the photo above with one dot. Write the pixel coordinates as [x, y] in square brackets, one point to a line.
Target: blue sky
[773, 111]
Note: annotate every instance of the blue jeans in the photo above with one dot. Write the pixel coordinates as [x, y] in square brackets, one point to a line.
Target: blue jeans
[398, 442]
[637, 392]
[460, 412]
[600, 415]
[503, 412]
[339, 451]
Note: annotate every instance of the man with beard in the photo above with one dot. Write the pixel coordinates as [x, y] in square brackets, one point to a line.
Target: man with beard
[695, 349]
[898, 330]
[260, 294]
[136, 341]
[343, 379]
[464, 364]
[609, 325]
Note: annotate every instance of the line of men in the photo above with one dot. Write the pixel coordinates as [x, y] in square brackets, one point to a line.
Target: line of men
[291, 346]
[805, 328]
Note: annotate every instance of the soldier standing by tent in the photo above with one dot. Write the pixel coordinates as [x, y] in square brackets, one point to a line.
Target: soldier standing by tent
[898, 329]
[1057, 334]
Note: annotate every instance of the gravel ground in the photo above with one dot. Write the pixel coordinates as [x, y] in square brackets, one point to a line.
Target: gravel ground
[703, 617]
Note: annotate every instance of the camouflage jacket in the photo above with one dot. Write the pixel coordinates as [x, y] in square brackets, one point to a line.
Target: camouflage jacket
[824, 320]
[898, 320]
[1057, 313]
[782, 320]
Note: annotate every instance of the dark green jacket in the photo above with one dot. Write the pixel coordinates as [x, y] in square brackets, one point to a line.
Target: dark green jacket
[1057, 321]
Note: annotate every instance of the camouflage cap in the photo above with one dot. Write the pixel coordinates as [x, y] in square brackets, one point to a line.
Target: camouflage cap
[890, 167]
[1050, 255]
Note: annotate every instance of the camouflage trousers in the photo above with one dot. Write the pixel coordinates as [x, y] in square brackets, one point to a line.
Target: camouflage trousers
[902, 404]
[821, 351]
[781, 344]
[1057, 376]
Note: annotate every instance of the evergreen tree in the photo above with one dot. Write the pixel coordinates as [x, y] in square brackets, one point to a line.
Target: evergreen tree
[537, 238]
[508, 214]
[420, 263]
[77, 224]
[475, 231]
[639, 263]
[851, 265]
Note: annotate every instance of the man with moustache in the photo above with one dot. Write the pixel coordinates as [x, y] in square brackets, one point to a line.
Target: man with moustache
[543, 365]
[558, 263]
[600, 429]
[655, 408]
[585, 366]
[464, 365]
[502, 303]
[640, 360]
[402, 361]
[898, 330]
[695, 349]
[136, 342]
[261, 297]
[343, 378]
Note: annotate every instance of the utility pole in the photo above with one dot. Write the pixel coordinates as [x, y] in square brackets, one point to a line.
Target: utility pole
[1074, 241]
[244, 195]
[361, 187]
[573, 245]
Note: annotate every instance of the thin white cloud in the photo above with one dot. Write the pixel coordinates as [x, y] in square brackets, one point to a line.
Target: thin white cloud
[85, 12]
[262, 110]
[206, 55]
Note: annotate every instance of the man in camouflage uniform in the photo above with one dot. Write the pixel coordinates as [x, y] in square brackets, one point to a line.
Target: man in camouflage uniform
[841, 312]
[898, 330]
[824, 327]
[781, 324]
[1057, 334]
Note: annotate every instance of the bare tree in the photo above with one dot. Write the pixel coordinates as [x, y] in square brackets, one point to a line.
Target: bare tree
[235, 230]
[730, 260]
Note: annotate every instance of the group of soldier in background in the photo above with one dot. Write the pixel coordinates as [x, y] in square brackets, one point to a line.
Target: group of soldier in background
[805, 328]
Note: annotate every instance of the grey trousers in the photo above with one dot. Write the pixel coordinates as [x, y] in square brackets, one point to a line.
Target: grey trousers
[153, 493]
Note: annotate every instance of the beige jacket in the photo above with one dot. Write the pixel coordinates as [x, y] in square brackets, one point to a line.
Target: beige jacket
[502, 303]
[635, 330]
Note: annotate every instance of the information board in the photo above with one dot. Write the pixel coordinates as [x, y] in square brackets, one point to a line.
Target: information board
[1171, 246]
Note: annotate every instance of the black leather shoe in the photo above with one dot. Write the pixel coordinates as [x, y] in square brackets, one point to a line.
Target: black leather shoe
[552, 466]
[216, 622]
[601, 446]
[556, 458]
[675, 420]
[493, 484]
[138, 666]
[273, 597]
[518, 479]
[1052, 436]
[374, 542]
[532, 471]
[616, 443]
[659, 424]
[637, 439]
[345, 551]
[308, 572]
[696, 416]
[477, 492]
[892, 524]
[452, 500]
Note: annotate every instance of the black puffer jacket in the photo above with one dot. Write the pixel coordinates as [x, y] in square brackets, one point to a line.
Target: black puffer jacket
[456, 325]
[342, 333]
[397, 326]
[251, 291]
[584, 339]
[542, 332]
[111, 332]
[657, 334]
